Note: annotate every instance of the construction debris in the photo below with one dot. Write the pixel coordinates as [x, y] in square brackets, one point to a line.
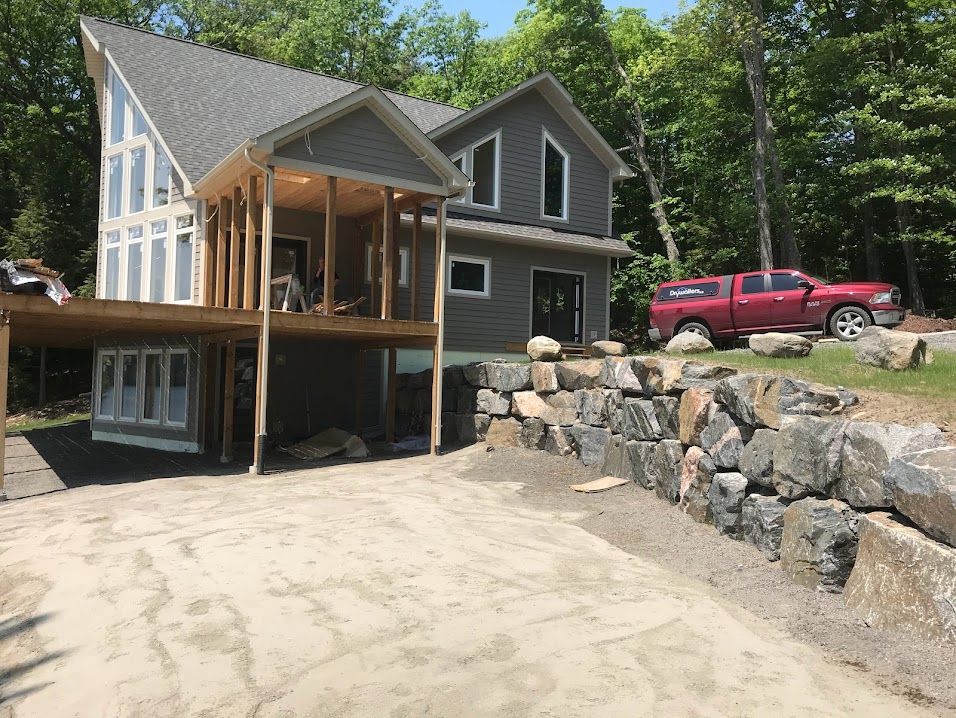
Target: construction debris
[29, 276]
[602, 484]
[330, 442]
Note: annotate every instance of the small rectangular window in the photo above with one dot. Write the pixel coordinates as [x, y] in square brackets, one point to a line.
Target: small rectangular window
[157, 261]
[114, 180]
[134, 263]
[117, 110]
[129, 385]
[784, 282]
[555, 179]
[176, 396]
[403, 264]
[111, 270]
[752, 284]
[161, 177]
[106, 395]
[469, 276]
[137, 180]
[484, 173]
[152, 385]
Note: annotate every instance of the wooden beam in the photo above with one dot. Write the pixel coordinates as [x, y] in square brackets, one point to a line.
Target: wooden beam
[249, 270]
[232, 335]
[438, 319]
[396, 261]
[234, 247]
[388, 238]
[415, 260]
[256, 444]
[390, 396]
[222, 224]
[228, 402]
[359, 391]
[210, 237]
[4, 375]
[434, 439]
[404, 203]
[439, 264]
[328, 291]
[376, 267]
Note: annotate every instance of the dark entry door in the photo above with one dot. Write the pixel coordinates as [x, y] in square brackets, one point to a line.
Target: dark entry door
[557, 305]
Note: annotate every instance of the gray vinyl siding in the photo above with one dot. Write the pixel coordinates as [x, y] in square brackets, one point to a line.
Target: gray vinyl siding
[360, 141]
[521, 121]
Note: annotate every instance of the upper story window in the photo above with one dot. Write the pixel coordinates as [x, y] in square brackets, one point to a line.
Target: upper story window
[481, 161]
[125, 119]
[555, 178]
[162, 174]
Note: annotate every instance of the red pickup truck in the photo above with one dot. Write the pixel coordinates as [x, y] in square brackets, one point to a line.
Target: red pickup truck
[737, 305]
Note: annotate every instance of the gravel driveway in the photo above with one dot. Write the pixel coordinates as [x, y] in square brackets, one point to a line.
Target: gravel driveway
[386, 588]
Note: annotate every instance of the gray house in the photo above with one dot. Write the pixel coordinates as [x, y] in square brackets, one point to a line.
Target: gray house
[227, 179]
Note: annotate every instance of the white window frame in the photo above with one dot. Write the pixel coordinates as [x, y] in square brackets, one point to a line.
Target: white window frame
[98, 409]
[547, 137]
[119, 386]
[463, 197]
[124, 253]
[111, 78]
[171, 256]
[167, 374]
[148, 261]
[486, 261]
[129, 180]
[141, 398]
[467, 156]
[151, 180]
[121, 211]
[403, 260]
[583, 298]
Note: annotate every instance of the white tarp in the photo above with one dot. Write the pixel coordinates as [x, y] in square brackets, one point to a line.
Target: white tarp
[55, 289]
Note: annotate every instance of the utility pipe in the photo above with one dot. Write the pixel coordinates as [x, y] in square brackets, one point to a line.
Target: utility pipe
[266, 295]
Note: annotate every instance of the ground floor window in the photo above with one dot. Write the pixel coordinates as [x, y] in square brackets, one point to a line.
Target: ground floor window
[469, 276]
[148, 386]
[557, 305]
[402, 259]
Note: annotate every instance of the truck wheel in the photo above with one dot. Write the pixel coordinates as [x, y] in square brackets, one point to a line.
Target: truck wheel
[846, 324]
[696, 328]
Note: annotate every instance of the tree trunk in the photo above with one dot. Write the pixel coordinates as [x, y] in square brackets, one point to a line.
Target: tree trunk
[917, 304]
[789, 250]
[870, 250]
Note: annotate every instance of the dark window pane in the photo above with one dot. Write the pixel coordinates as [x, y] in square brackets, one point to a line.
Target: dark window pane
[784, 282]
[553, 181]
[129, 381]
[752, 284]
[107, 382]
[153, 386]
[483, 173]
[467, 276]
[689, 291]
[176, 400]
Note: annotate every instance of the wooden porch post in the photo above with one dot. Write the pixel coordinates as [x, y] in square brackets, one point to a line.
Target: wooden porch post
[438, 316]
[416, 259]
[396, 261]
[376, 266]
[228, 402]
[222, 222]
[328, 290]
[387, 240]
[210, 238]
[234, 248]
[249, 271]
[4, 375]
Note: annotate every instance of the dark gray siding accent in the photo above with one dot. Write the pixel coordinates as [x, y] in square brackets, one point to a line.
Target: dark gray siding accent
[521, 121]
[360, 141]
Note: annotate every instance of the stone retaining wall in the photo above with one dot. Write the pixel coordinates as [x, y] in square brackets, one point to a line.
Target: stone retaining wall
[864, 505]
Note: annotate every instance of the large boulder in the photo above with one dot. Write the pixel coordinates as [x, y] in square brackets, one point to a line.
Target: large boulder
[667, 409]
[614, 401]
[471, 427]
[890, 349]
[544, 379]
[503, 432]
[761, 523]
[507, 376]
[868, 449]
[807, 456]
[640, 420]
[618, 373]
[494, 403]
[780, 345]
[672, 376]
[553, 409]
[613, 462]
[558, 441]
[724, 438]
[542, 348]
[591, 406]
[639, 462]
[903, 580]
[668, 461]
[579, 374]
[689, 343]
[532, 434]
[756, 459]
[819, 543]
[726, 496]
[475, 374]
[923, 487]
[606, 348]
[764, 399]
[590, 442]
[697, 472]
[696, 409]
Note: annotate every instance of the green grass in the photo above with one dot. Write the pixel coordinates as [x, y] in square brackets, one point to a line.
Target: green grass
[33, 424]
[836, 366]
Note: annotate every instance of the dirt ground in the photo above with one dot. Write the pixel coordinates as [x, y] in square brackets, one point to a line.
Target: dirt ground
[399, 587]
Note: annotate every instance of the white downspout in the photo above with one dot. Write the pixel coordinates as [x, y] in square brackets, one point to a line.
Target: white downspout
[266, 297]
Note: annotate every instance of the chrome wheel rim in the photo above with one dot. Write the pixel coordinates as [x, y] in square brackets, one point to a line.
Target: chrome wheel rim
[851, 324]
[693, 330]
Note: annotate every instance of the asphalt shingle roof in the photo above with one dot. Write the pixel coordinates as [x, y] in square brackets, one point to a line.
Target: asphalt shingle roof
[205, 102]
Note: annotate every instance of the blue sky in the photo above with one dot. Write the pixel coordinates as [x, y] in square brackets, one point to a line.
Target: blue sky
[499, 15]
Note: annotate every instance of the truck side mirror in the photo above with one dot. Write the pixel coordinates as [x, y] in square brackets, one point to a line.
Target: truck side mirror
[806, 284]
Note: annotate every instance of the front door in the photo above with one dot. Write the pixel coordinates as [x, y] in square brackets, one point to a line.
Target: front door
[557, 305]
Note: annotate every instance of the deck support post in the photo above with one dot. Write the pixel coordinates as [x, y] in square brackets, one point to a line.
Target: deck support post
[210, 237]
[249, 270]
[438, 317]
[234, 248]
[390, 396]
[328, 290]
[376, 261]
[388, 239]
[262, 374]
[225, 212]
[4, 375]
[228, 402]
[416, 258]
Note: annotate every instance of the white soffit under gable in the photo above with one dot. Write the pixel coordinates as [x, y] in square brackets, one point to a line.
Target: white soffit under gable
[560, 99]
